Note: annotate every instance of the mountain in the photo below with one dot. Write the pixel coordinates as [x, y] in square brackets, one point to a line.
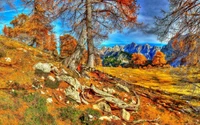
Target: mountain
[147, 50]
[183, 50]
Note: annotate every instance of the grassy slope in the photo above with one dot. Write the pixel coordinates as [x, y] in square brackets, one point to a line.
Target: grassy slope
[19, 102]
[172, 80]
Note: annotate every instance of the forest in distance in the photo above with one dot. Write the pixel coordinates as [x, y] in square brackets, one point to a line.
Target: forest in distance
[99, 62]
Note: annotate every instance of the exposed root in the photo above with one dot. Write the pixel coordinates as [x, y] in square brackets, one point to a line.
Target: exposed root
[58, 99]
[144, 120]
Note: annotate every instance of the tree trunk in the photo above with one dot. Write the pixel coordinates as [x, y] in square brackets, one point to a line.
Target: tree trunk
[73, 61]
[90, 43]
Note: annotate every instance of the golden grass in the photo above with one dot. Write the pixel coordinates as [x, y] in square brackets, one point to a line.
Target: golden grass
[174, 80]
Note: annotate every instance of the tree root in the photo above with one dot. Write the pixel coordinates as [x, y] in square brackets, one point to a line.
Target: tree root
[144, 120]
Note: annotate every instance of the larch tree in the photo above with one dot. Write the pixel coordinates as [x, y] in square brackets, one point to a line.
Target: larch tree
[91, 20]
[99, 18]
[138, 59]
[159, 59]
[183, 18]
[67, 45]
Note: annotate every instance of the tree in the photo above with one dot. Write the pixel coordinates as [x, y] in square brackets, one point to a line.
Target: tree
[183, 18]
[99, 17]
[50, 43]
[139, 59]
[6, 30]
[68, 45]
[159, 59]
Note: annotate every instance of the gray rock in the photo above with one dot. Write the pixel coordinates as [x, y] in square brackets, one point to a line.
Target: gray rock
[109, 118]
[125, 115]
[73, 94]
[104, 107]
[44, 67]
[51, 78]
[126, 89]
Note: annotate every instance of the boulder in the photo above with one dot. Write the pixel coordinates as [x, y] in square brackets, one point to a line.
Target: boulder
[125, 115]
[44, 67]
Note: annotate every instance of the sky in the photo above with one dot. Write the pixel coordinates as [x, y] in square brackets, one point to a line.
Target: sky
[148, 10]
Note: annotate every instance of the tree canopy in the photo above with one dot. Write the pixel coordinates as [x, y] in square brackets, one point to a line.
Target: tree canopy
[183, 18]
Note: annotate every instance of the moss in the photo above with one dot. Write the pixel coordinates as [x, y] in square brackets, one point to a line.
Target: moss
[70, 113]
[87, 121]
[51, 84]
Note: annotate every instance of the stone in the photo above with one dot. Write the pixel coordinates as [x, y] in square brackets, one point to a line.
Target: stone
[73, 94]
[44, 67]
[125, 115]
[104, 107]
[49, 100]
[51, 78]
[126, 89]
[107, 118]
[8, 59]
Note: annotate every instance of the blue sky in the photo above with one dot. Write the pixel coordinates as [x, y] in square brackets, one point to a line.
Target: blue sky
[148, 10]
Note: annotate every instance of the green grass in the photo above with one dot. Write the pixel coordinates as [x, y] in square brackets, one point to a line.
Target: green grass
[36, 113]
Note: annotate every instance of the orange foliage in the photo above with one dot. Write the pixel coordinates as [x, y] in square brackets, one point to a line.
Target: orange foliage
[68, 45]
[138, 59]
[159, 59]
[50, 43]
[34, 26]
[5, 30]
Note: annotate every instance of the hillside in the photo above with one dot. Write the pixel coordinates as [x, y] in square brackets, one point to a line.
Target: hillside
[36, 89]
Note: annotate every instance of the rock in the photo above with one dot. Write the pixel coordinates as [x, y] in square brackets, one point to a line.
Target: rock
[44, 67]
[123, 87]
[72, 81]
[90, 116]
[49, 100]
[115, 117]
[109, 118]
[73, 94]
[104, 107]
[51, 78]
[125, 115]
[8, 59]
